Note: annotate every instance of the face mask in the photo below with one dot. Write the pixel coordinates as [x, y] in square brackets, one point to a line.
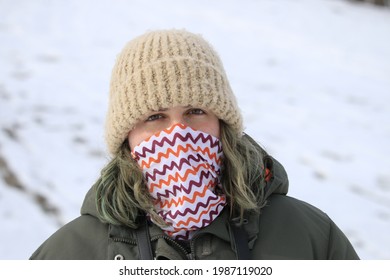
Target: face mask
[182, 169]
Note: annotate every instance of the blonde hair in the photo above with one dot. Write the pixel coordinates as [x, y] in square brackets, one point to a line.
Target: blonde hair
[122, 196]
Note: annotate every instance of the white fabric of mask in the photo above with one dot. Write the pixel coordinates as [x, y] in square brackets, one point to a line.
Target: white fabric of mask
[182, 170]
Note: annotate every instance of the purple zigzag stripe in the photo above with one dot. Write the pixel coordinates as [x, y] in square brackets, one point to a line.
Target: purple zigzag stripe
[178, 189]
[191, 184]
[188, 210]
[174, 164]
[184, 138]
[185, 235]
[174, 204]
[211, 216]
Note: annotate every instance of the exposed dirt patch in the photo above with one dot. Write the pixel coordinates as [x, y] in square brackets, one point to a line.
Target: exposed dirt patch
[11, 180]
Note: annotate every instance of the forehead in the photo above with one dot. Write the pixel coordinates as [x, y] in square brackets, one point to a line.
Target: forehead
[173, 108]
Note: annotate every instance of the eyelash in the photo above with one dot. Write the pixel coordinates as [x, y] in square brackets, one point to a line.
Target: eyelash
[192, 111]
[154, 117]
[198, 111]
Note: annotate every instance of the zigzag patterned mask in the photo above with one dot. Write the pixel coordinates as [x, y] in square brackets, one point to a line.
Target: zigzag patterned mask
[182, 169]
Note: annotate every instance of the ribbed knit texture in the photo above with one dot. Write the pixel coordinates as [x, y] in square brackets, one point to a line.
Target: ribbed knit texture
[163, 69]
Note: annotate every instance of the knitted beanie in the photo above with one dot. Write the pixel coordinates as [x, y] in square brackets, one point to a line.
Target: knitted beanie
[164, 69]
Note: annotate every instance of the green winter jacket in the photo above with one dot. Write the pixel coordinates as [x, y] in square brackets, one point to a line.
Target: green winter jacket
[286, 228]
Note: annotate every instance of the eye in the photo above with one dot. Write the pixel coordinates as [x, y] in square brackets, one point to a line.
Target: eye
[196, 111]
[154, 117]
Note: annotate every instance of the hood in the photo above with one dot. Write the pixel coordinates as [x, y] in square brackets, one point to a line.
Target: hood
[278, 179]
[89, 204]
[277, 184]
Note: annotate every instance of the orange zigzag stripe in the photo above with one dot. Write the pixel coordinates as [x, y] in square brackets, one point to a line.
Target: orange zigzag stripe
[192, 219]
[181, 200]
[168, 130]
[160, 156]
[175, 178]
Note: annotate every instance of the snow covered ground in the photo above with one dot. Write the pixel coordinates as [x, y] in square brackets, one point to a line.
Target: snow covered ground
[312, 78]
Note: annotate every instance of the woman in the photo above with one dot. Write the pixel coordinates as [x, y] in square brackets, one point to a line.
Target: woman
[184, 181]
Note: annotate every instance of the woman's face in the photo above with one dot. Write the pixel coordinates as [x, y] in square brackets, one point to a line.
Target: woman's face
[153, 122]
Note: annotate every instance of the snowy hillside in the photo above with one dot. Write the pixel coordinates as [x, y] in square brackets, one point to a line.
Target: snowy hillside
[312, 78]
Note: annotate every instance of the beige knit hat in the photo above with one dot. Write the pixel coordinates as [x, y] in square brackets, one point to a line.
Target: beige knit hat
[163, 69]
